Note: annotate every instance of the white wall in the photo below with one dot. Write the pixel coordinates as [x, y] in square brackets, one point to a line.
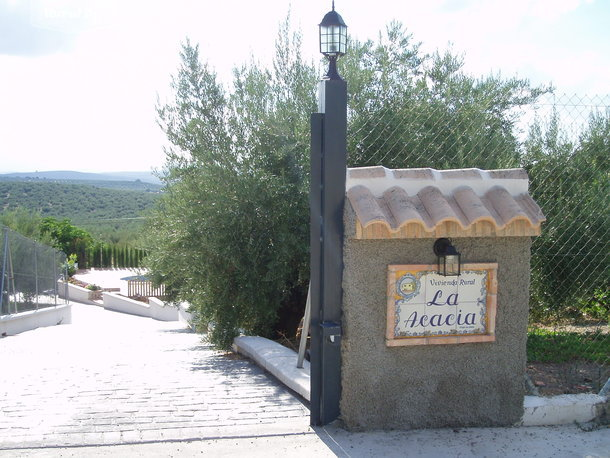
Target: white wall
[155, 309]
[75, 293]
[113, 301]
[25, 321]
[160, 311]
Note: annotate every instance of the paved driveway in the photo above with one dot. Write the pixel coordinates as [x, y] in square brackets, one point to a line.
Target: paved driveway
[111, 378]
[117, 385]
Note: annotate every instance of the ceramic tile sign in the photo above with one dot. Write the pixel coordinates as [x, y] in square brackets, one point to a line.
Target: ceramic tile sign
[426, 308]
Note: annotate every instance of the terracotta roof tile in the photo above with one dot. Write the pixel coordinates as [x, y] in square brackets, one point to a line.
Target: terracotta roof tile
[433, 203]
[405, 209]
[366, 206]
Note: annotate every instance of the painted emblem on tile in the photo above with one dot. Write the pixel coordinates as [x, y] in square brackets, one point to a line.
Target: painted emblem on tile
[408, 286]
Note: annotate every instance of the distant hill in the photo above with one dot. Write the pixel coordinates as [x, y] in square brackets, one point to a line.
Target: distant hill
[99, 210]
[67, 175]
[118, 185]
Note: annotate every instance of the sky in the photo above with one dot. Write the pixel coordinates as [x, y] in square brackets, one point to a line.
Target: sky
[79, 79]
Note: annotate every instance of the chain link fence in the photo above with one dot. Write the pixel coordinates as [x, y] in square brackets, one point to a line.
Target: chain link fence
[30, 272]
[563, 142]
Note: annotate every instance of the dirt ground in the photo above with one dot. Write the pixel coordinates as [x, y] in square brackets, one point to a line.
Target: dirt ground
[574, 377]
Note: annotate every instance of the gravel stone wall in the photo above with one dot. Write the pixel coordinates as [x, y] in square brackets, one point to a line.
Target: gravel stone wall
[431, 386]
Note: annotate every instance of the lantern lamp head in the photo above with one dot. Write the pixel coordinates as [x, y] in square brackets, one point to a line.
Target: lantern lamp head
[449, 263]
[333, 40]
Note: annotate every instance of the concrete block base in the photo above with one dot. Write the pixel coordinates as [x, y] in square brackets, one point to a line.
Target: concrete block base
[562, 409]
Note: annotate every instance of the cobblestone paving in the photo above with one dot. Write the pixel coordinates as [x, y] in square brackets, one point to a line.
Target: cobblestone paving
[111, 378]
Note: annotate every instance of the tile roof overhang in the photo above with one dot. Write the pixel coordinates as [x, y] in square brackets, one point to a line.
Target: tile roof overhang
[421, 203]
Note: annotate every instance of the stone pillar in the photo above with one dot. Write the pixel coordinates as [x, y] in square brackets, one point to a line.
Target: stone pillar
[399, 374]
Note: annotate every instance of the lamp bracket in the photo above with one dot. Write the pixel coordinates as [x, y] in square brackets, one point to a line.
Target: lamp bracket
[441, 246]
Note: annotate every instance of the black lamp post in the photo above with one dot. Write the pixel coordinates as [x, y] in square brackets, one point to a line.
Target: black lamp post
[333, 40]
[327, 195]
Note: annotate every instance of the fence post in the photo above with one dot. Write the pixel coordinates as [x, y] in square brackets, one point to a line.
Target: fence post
[11, 278]
[55, 286]
[4, 259]
[36, 272]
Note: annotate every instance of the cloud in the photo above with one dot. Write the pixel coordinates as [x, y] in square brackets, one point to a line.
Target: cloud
[552, 10]
[34, 28]
[91, 105]
[20, 36]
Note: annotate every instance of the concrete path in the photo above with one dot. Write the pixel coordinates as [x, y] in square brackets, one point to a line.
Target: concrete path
[111, 378]
[117, 385]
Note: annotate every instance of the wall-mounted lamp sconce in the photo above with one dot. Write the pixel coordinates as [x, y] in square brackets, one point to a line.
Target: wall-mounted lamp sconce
[448, 258]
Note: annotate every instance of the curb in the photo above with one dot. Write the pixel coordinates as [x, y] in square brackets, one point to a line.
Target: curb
[280, 361]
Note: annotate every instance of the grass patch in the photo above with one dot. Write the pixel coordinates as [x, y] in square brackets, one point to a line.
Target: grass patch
[548, 346]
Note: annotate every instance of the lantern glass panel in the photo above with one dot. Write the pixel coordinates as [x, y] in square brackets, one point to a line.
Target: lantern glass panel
[333, 39]
[452, 264]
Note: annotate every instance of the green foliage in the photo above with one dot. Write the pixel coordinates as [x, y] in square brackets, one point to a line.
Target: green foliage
[544, 345]
[402, 100]
[68, 238]
[570, 180]
[596, 307]
[24, 221]
[230, 235]
[104, 255]
[72, 239]
[71, 264]
[108, 214]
